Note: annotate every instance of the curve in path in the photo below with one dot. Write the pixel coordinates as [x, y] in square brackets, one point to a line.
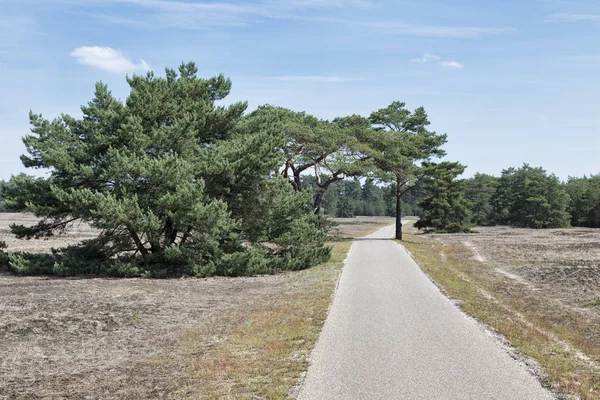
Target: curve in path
[391, 334]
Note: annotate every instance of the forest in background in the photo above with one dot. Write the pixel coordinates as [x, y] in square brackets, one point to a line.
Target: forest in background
[521, 197]
[524, 197]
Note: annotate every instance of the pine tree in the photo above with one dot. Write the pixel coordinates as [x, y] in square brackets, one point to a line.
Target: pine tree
[332, 149]
[530, 198]
[345, 207]
[401, 143]
[444, 206]
[479, 191]
[171, 181]
[584, 202]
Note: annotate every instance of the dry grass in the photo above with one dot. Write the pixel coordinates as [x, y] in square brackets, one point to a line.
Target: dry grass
[76, 337]
[261, 352]
[562, 262]
[508, 279]
[358, 226]
[171, 339]
[76, 233]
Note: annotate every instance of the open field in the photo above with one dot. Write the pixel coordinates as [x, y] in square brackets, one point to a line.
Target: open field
[178, 338]
[539, 289]
[75, 234]
[562, 263]
[358, 226]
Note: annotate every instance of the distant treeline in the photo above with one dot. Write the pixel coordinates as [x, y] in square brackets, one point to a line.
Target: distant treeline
[530, 197]
[522, 197]
[350, 197]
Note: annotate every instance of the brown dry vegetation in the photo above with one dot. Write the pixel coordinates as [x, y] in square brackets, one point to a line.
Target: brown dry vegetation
[564, 263]
[358, 226]
[76, 233]
[180, 338]
[537, 288]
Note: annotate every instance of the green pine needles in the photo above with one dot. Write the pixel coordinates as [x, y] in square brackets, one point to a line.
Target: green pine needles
[172, 182]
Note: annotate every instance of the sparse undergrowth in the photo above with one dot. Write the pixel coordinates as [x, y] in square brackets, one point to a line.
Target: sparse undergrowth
[560, 339]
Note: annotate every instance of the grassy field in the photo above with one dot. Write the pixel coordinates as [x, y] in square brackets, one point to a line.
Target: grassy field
[217, 338]
[539, 289]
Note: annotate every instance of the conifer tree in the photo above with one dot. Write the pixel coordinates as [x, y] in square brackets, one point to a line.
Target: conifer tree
[530, 198]
[584, 202]
[401, 144]
[333, 150]
[171, 181]
[479, 191]
[444, 206]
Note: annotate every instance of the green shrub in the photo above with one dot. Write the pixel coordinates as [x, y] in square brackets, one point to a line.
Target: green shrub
[19, 264]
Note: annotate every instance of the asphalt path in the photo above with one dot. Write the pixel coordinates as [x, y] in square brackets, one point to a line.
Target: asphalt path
[391, 334]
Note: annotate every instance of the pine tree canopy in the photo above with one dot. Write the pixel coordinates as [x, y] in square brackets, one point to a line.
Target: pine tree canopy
[334, 149]
[401, 144]
[444, 206]
[171, 180]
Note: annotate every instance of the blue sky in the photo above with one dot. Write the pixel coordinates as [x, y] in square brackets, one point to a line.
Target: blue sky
[509, 82]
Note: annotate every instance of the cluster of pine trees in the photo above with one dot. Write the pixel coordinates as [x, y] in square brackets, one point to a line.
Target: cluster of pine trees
[584, 201]
[521, 197]
[177, 183]
[531, 198]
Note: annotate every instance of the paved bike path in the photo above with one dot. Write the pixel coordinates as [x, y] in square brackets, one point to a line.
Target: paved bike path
[391, 334]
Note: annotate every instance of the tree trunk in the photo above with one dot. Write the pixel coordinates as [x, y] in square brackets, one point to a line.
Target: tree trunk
[138, 243]
[318, 200]
[398, 211]
[297, 180]
[170, 233]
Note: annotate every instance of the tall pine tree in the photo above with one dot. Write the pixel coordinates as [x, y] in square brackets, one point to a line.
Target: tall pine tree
[401, 143]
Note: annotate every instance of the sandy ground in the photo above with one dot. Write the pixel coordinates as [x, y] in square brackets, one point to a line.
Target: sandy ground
[358, 225]
[76, 233]
[84, 336]
[560, 262]
[92, 338]
[556, 269]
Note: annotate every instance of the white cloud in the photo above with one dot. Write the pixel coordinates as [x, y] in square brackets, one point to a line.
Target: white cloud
[191, 16]
[183, 6]
[572, 17]
[222, 13]
[323, 3]
[451, 64]
[426, 57]
[252, 7]
[314, 78]
[108, 59]
[432, 57]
